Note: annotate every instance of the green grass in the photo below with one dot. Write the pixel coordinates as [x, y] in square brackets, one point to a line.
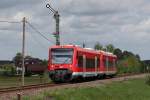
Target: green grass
[128, 90]
[16, 81]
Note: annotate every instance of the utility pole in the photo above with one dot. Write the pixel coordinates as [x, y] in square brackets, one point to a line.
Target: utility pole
[23, 51]
[56, 17]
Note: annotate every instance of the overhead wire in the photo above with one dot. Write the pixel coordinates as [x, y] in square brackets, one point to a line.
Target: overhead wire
[37, 41]
[10, 21]
[14, 22]
[41, 34]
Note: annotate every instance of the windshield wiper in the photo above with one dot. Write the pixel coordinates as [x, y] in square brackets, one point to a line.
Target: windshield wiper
[66, 60]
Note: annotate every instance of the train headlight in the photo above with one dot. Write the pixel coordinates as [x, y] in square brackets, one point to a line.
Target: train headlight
[70, 66]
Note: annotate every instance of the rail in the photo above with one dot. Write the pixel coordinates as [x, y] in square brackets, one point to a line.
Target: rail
[27, 87]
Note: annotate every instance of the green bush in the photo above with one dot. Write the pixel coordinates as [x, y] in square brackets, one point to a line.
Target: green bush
[129, 65]
[147, 81]
[8, 70]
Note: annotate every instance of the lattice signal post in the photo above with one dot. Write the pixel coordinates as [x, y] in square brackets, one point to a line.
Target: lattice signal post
[56, 17]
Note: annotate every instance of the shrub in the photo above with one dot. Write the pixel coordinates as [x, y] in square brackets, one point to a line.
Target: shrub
[147, 81]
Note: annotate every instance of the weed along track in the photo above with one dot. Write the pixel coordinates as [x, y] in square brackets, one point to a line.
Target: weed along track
[8, 93]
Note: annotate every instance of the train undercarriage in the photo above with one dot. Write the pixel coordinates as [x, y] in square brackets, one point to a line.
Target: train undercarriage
[60, 75]
[64, 75]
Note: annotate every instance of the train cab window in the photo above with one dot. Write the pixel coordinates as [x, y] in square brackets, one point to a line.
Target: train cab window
[62, 55]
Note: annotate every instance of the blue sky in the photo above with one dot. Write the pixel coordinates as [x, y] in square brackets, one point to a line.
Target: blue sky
[123, 23]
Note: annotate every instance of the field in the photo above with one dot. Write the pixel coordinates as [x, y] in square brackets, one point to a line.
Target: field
[16, 81]
[128, 90]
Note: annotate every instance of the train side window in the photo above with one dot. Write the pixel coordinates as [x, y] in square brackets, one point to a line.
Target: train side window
[110, 63]
[114, 63]
[80, 61]
[90, 62]
[106, 62]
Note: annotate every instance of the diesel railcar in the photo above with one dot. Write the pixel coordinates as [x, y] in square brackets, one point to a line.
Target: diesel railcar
[70, 62]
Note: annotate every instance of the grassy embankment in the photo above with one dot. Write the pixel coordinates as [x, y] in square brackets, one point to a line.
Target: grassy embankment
[127, 90]
[16, 81]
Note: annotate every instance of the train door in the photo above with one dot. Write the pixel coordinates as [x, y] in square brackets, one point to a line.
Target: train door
[107, 64]
[114, 64]
[96, 65]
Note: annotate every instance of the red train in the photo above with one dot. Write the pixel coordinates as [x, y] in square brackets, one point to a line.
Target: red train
[70, 62]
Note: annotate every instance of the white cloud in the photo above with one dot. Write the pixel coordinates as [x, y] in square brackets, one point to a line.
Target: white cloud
[124, 23]
[19, 16]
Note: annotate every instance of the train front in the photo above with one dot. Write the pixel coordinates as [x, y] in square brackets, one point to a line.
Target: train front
[60, 63]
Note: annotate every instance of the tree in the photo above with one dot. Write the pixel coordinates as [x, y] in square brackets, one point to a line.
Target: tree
[138, 57]
[127, 54]
[98, 46]
[110, 48]
[118, 53]
[129, 65]
[18, 60]
[45, 62]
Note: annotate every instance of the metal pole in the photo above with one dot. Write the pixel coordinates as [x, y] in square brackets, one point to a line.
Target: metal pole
[23, 51]
[56, 16]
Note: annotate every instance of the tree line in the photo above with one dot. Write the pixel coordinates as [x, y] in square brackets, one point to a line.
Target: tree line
[128, 62]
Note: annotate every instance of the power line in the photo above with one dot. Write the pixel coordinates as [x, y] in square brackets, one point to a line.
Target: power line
[10, 22]
[37, 41]
[39, 32]
[7, 29]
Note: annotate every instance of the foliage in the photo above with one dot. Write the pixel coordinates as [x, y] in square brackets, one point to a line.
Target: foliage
[110, 48]
[45, 62]
[118, 53]
[129, 65]
[17, 59]
[98, 46]
[147, 81]
[8, 70]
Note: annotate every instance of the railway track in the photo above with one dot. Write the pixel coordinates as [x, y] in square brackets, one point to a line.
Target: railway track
[21, 88]
[37, 86]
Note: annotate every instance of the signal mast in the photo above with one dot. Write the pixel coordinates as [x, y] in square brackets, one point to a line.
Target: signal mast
[56, 17]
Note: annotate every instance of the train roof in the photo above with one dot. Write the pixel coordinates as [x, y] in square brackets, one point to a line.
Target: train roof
[87, 49]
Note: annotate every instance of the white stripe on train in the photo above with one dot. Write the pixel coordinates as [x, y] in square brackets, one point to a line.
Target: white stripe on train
[89, 74]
